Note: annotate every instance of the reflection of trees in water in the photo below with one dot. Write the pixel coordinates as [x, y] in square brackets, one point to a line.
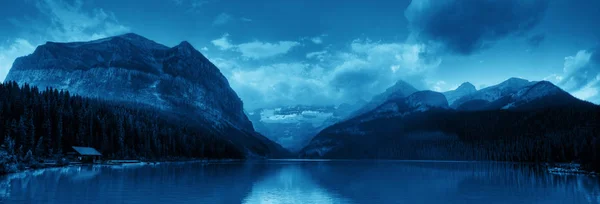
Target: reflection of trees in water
[355, 181]
[431, 181]
[4, 188]
[164, 183]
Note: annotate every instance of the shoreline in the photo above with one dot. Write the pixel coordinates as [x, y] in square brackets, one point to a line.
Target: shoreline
[563, 169]
[42, 166]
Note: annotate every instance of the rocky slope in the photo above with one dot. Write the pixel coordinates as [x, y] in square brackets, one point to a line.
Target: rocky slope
[133, 69]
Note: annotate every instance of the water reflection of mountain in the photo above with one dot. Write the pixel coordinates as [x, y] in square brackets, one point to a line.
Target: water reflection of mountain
[301, 182]
[165, 183]
[447, 182]
[291, 184]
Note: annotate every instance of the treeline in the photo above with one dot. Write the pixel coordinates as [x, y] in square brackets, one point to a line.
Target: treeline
[558, 134]
[47, 123]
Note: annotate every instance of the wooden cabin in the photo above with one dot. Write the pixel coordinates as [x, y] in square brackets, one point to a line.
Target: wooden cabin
[87, 154]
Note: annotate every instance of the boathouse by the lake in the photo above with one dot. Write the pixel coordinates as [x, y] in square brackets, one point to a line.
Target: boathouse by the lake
[87, 154]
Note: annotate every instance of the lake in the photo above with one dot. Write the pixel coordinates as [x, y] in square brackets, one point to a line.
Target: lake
[287, 181]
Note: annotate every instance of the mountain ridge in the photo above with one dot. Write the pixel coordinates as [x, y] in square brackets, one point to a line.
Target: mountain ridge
[132, 68]
[523, 114]
[400, 89]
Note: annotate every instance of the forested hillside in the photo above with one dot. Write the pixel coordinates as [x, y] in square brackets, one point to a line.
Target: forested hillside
[46, 123]
[558, 134]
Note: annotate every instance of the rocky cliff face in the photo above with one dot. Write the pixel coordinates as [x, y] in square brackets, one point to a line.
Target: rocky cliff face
[131, 68]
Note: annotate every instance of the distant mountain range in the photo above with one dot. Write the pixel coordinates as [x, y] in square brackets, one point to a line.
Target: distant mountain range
[294, 126]
[516, 120]
[132, 69]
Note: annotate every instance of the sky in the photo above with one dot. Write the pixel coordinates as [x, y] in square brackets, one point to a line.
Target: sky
[313, 52]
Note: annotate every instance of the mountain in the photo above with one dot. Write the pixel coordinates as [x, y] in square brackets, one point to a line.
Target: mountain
[294, 126]
[462, 90]
[418, 102]
[132, 69]
[399, 90]
[493, 93]
[536, 95]
[541, 121]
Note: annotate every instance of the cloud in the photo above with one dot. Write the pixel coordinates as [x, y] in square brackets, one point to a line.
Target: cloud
[17, 48]
[536, 40]
[258, 50]
[246, 19]
[581, 75]
[280, 84]
[317, 40]
[195, 4]
[192, 5]
[328, 76]
[438, 86]
[554, 78]
[371, 67]
[178, 2]
[467, 26]
[69, 22]
[319, 55]
[222, 19]
[59, 21]
[223, 43]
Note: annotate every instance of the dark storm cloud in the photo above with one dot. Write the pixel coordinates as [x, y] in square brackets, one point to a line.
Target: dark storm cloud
[466, 26]
[536, 40]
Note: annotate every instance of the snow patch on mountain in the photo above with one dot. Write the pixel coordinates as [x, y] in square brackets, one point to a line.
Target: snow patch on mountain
[463, 90]
[538, 90]
[399, 90]
[496, 92]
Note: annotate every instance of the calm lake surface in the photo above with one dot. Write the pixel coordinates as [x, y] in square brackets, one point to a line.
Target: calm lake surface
[300, 182]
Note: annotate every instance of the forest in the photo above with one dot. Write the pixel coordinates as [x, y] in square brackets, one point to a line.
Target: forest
[44, 124]
[548, 135]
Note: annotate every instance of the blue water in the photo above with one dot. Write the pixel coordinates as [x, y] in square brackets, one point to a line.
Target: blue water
[300, 182]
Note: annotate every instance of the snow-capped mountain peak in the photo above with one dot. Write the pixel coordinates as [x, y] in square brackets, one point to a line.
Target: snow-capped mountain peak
[466, 86]
[464, 89]
[492, 93]
[538, 90]
[399, 90]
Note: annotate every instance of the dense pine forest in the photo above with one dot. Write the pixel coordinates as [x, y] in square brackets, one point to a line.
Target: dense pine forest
[44, 124]
[550, 135]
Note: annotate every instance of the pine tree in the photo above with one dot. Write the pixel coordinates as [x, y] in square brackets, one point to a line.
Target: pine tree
[47, 127]
[59, 132]
[24, 138]
[39, 147]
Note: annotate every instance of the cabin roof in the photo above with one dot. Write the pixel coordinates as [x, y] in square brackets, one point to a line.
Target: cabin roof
[87, 151]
